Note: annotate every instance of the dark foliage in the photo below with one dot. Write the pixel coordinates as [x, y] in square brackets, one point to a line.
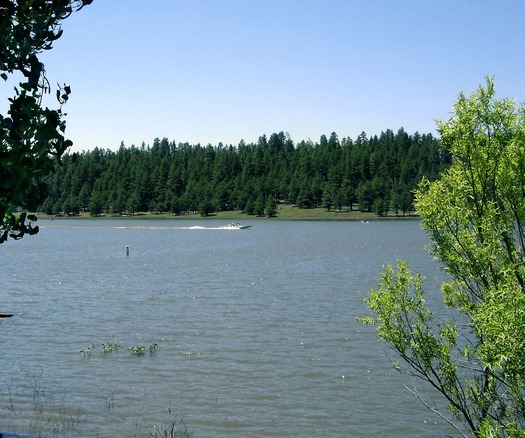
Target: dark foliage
[31, 135]
[375, 174]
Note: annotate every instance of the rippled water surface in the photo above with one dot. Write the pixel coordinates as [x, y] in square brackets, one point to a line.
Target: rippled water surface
[255, 330]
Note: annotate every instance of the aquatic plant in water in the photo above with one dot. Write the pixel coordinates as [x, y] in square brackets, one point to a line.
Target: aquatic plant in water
[108, 347]
[139, 350]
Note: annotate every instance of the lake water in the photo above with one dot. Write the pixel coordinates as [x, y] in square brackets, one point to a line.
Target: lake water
[255, 330]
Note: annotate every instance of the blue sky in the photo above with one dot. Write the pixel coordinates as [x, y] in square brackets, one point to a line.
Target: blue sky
[210, 71]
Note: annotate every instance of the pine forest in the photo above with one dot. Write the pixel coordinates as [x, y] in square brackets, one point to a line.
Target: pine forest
[375, 174]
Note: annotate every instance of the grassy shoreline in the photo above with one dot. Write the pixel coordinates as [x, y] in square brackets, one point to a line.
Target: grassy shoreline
[284, 212]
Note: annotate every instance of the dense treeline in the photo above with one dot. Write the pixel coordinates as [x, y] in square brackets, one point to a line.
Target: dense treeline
[374, 174]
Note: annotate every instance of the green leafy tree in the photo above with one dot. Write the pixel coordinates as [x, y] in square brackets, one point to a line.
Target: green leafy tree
[305, 198]
[250, 206]
[259, 206]
[95, 203]
[71, 206]
[118, 201]
[84, 196]
[31, 135]
[475, 217]
[47, 207]
[328, 197]
[133, 204]
[174, 204]
[365, 196]
[57, 207]
[206, 207]
[271, 207]
[401, 198]
[381, 201]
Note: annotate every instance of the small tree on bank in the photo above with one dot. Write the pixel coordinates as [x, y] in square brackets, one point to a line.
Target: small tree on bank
[31, 136]
[271, 207]
[475, 217]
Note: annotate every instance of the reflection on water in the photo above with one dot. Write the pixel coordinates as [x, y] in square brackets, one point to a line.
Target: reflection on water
[255, 329]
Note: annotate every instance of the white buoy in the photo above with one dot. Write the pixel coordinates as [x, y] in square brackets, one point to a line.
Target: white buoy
[127, 250]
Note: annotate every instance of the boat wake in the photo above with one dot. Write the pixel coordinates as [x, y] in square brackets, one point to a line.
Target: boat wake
[143, 227]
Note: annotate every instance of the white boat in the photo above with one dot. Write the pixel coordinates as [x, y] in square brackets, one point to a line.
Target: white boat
[234, 226]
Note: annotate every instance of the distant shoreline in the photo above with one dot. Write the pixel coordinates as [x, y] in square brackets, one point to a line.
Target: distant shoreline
[285, 212]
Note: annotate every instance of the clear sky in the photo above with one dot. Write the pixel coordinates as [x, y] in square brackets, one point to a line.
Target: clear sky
[210, 71]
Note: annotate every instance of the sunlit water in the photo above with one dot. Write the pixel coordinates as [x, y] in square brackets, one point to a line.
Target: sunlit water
[255, 330]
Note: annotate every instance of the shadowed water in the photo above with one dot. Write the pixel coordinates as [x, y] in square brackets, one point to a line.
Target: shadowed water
[255, 330]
